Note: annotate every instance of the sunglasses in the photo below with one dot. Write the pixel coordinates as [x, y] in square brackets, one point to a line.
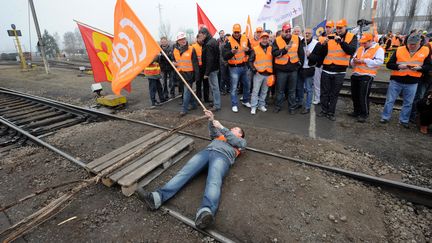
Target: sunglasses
[287, 31]
[339, 28]
[236, 32]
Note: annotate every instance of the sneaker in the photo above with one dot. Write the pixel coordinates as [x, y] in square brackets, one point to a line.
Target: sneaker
[182, 113]
[331, 117]
[405, 124]
[315, 102]
[361, 119]
[247, 104]
[234, 109]
[147, 198]
[383, 121]
[291, 112]
[204, 220]
[424, 129]
[322, 114]
[305, 111]
[262, 108]
[276, 110]
[253, 110]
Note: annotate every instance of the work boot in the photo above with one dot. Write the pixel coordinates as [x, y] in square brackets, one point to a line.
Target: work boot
[204, 220]
[361, 119]
[276, 110]
[147, 198]
[322, 114]
[305, 111]
[331, 117]
[424, 129]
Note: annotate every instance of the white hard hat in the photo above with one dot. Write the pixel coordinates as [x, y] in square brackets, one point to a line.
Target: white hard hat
[181, 35]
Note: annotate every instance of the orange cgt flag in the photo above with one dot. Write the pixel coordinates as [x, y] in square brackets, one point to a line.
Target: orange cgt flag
[133, 47]
[249, 32]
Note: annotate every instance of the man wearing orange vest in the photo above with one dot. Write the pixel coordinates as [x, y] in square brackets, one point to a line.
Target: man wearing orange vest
[215, 159]
[202, 86]
[153, 74]
[255, 41]
[261, 64]
[289, 55]
[235, 52]
[366, 62]
[186, 62]
[337, 50]
[408, 64]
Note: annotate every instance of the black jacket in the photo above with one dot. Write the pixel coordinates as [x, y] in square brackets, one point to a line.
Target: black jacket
[252, 57]
[391, 64]
[227, 54]
[349, 49]
[210, 55]
[289, 67]
[164, 64]
[194, 75]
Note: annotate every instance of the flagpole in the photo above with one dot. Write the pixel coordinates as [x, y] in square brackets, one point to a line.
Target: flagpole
[94, 28]
[184, 81]
[304, 29]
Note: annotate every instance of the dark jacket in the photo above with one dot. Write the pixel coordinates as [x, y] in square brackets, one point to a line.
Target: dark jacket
[164, 64]
[391, 64]
[194, 75]
[289, 67]
[349, 49]
[227, 54]
[210, 55]
[252, 57]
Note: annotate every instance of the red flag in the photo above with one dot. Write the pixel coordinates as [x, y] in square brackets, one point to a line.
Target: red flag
[203, 20]
[98, 46]
[133, 47]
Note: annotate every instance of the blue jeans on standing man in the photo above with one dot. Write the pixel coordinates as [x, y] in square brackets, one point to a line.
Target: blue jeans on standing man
[393, 91]
[217, 165]
[236, 74]
[304, 83]
[214, 86]
[188, 99]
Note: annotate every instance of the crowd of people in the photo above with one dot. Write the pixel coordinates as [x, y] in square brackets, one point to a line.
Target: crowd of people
[296, 67]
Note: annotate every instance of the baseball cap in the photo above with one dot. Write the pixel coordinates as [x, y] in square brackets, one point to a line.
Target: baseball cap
[264, 34]
[259, 29]
[236, 28]
[366, 37]
[286, 27]
[341, 23]
[330, 23]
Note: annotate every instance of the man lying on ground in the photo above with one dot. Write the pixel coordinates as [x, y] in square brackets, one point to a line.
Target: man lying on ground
[217, 157]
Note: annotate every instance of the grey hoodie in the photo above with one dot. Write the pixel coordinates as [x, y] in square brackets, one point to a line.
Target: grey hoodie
[227, 148]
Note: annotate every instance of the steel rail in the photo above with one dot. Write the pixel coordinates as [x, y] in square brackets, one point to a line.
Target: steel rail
[426, 193]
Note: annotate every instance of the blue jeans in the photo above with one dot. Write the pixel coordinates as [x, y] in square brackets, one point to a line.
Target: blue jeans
[187, 98]
[217, 164]
[284, 79]
[214, 85]
[259, 83]
[155, 87]
[304, 83]
[236, 74]
[393, 91]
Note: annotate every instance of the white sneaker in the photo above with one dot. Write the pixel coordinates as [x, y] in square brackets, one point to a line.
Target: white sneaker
[247, 104]
[234, 109]
[262, 108]
[253, 110]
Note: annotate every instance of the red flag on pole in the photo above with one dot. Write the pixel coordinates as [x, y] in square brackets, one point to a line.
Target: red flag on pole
[203, 20]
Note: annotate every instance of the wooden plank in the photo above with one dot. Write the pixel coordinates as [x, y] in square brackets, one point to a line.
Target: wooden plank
[155, 162]
[123, 149]
[107, 164]
[167, 144]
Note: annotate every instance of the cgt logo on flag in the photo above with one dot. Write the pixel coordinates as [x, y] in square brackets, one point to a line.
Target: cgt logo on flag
[133, 47]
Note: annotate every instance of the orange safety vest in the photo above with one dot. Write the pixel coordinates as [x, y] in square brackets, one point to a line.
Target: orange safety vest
[152, 70]
[254, 43]
[184, 61]
[240, 56]
[321, 39]
[222, 138]
[291, 55]
[395, 41]
[335, 53]
[263, 60]
[403, 57]
[198, 50]
[370, 54]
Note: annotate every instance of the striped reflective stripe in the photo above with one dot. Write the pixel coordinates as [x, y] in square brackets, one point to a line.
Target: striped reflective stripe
[338, 58]
[410, 63]
[336, 51]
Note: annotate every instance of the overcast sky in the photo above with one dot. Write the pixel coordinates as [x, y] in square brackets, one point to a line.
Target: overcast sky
[58, 15]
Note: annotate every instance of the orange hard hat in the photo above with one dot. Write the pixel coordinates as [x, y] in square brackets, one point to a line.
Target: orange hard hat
[330, 23]
[341, 23]
[366, 37]
[236, 28]
[264, 34]
[259, 29]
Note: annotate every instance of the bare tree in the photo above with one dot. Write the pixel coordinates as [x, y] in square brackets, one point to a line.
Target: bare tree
[382, 10]
[393, 6]
[69, 42]
[410, 14]
[165, 31]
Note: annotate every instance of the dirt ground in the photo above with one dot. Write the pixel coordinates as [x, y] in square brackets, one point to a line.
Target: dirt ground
[264, 199]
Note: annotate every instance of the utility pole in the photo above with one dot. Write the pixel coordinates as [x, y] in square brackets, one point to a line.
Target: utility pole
[41, 43]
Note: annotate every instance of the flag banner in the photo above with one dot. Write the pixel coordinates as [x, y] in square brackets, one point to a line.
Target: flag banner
[280, 11]
[319, 29]
[99, 47]
[133, 47]
[249, 32]
[203, 20]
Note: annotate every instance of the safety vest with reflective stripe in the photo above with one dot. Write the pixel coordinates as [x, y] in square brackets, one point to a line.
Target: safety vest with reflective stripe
[291, 55]
[321, 39]
[263, 60]
[184, 61]
[403, 57]
[254, 43]
[240, 56]
[370, 54]
[222, 138]
[152, 70]
[395, 41]
[198, 50]
[335, 53]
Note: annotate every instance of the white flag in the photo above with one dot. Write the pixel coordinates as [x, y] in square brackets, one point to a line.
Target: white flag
[280, 11]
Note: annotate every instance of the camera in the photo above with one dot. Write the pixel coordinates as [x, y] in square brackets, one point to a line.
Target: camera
[331, 37]
[364, 22]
